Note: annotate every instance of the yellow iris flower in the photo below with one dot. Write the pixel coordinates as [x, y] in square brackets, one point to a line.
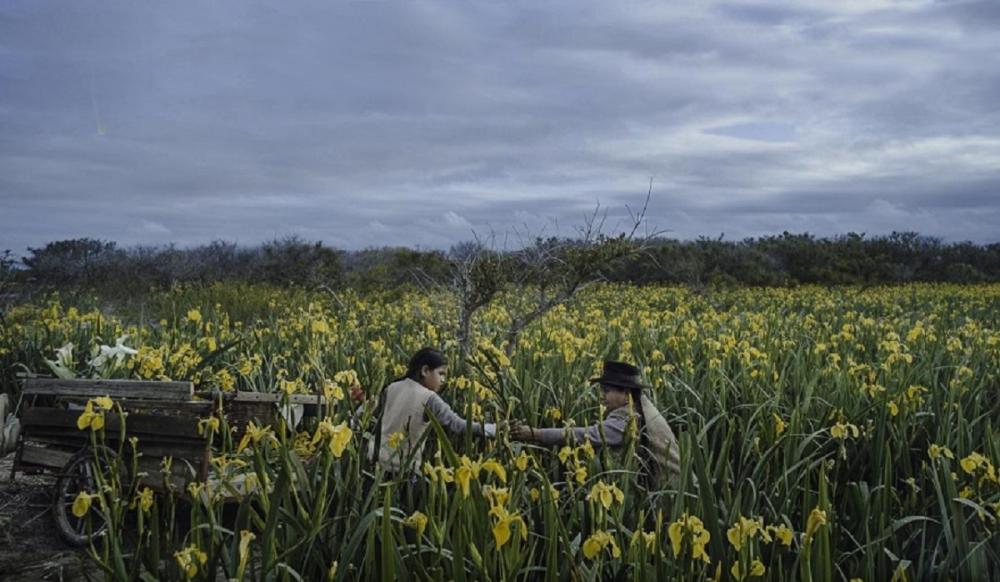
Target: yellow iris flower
[692, 528]
[504, 520]
[782, 534]
[417, 521]
[81, 505]
[495, 468]
[208, 424]
[189, 559]
[144, 499]
[463, 475]
[598, 542]
[341, 437]
[605, 494]
[817, 519]
[779, 425]
[90, 419]
[756, 569]
[245, 538]
[521, 462]
[254, 434]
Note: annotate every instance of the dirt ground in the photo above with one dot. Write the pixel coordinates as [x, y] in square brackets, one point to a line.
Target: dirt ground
[30, 547]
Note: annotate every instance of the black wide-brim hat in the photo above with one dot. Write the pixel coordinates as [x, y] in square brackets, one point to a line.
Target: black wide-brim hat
[619, 375]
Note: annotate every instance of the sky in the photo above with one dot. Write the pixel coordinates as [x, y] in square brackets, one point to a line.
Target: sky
[423, 124]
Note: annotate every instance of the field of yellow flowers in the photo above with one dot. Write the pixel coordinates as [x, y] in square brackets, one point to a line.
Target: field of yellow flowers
[826, 434]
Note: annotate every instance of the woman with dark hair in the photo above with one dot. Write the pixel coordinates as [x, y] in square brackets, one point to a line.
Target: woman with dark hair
[658, 452]
[404, 406]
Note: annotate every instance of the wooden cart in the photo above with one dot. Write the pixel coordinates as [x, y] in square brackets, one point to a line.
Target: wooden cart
[162, 416]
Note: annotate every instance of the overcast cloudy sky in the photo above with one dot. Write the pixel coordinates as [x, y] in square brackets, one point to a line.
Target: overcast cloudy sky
[417, 123]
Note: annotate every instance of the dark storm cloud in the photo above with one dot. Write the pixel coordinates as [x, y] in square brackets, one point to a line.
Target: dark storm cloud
[419, 123]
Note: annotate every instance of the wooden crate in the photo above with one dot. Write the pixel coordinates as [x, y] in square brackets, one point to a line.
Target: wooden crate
[162, 416]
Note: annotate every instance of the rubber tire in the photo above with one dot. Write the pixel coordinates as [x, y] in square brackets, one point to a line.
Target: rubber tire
[76, 476]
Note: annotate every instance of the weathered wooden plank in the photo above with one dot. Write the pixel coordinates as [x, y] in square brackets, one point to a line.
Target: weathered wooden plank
[32, 454]
[191, 450]
[150, 445]
[62, 438]
[192, 408]
[135, 424]
[113, 388]
[273, 397]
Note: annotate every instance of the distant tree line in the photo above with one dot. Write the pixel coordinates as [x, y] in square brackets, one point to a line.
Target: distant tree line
[783, 260]
[795, 259]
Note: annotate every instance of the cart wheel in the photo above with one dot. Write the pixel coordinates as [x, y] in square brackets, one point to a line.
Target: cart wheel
[80, 475]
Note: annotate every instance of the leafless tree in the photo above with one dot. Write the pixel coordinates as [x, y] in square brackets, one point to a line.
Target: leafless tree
[558, 269]
[478, 275]
[554, 269]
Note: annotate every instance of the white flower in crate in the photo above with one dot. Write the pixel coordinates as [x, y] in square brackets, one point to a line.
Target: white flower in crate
[113, 355]
[63, 366]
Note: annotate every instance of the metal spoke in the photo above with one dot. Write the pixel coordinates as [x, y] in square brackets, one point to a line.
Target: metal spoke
[89, 472]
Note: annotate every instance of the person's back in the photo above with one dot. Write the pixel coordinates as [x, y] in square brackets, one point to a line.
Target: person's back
[403, 425]
[405, 409]
[662, 443]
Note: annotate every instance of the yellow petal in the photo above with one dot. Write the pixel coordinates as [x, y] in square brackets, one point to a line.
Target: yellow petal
[243, 443]
[245, 538]
[676, 534]
[698, 551]
[81, 504]
[501, 532]
[145, 499]
[606, 498]
[817, 518]
[591, 548]
[341, 437]
[497, 469]
[733, 534]
[83, 421]
[417, 521]
[463, 475]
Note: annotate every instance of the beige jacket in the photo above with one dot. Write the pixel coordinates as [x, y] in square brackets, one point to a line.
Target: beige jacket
[404, 415]
[405, 402]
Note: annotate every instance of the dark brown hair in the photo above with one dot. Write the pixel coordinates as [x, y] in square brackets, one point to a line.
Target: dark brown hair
[425, 356]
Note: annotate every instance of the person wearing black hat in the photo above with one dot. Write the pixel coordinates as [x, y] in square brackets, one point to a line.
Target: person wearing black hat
[624, 400]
